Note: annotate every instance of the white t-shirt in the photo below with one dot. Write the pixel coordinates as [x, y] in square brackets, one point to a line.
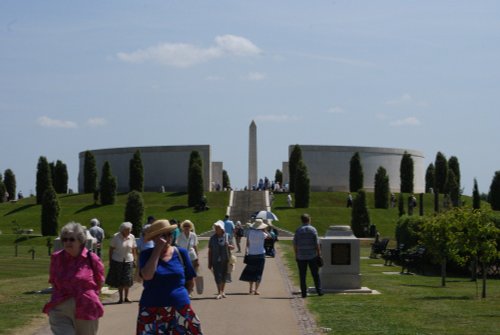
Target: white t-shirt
[123, 247]
[188, 243]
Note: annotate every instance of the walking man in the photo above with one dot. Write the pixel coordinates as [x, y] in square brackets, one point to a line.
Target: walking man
[306, 247]
[98, 233]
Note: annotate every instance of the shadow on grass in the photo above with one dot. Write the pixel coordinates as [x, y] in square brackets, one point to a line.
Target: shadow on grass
[283, 207]
[176, 208]
[26, 237]
[176, 194]
[22, 208]
[87, 208]
[446, 298]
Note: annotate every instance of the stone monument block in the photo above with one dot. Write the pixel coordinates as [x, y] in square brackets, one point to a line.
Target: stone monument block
[341, 255]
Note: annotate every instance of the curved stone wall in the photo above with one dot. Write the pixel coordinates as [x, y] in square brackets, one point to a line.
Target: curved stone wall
[328, 166]
[165, 166]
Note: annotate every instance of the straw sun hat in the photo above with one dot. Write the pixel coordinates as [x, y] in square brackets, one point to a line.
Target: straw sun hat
[259, 224]
[159, 227]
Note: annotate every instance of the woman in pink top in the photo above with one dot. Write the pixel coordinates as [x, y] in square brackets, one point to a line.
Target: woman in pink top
[76, 275]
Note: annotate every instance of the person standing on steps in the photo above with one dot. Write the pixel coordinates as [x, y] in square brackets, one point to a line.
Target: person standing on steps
[307, 249]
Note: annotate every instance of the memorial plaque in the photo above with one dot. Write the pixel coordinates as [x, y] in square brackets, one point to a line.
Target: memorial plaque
[341, 253]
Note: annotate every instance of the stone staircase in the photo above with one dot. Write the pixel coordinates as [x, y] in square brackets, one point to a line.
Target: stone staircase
[245, 203]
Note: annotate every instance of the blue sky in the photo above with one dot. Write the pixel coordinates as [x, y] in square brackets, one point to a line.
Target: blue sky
[78, 75]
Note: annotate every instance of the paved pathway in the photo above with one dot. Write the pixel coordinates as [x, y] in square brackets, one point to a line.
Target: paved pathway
[278, 310]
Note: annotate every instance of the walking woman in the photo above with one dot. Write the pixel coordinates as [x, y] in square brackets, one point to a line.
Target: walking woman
[218, 257]
[255, 256]
[76, 275]
[122, 254]
[165, 307]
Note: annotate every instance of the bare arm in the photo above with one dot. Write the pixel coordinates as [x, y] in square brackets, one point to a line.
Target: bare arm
[149, 269]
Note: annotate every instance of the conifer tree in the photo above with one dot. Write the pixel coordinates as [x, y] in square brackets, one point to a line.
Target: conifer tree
[60, 178]
[429, 178]
[381, 192]
[278, 177]
[293, 161]
[43, 178]
[355, 173]
[136, 173]
[401, 205]
[476, 197]
[195, 179]
[406, 173]
[107, 185]
[226, 183]
[360, 219]
[454, 188]
[494, 195]
[302, 186]
[50, 212]
[441, 173]
[454, 166]
[9, 180]
[134, 211]
[89, 173]
[2, 189]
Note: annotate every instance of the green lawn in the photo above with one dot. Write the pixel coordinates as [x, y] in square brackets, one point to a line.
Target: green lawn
[407, 305]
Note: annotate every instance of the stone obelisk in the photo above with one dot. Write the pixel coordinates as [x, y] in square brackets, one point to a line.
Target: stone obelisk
[252, 156]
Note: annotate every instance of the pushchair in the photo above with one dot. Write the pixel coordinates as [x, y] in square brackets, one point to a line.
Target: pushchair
[269, 246]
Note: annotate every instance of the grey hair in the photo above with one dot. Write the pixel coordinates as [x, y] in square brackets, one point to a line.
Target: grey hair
[125, 225]
[94, 222]
[75, 229]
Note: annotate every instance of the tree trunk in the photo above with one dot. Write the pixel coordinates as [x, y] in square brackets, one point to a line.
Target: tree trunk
[485, 269]
[443, 273]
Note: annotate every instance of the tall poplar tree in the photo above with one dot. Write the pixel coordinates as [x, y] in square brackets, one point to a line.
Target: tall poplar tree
[107, 185]
[476, 197]
[355, 173]
[293, 161]
[360, 219]
[136, 173]
[60, 178]
[226, 183]
[195, 179]
[454, 165]
[2, 189]
[134, 211]
[441, 173]
[406, 173]
[381, 193]
[302, 186]
[278, 177]
[89, 173]
[9, 180]
[43, 178]
[494, 195]
[50, 212]
[429, 178]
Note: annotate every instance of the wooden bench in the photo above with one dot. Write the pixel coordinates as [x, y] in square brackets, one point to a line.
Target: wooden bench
[412, 259]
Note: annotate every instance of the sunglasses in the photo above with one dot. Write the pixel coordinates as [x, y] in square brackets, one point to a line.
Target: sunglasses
[70, 239]
[167, 235]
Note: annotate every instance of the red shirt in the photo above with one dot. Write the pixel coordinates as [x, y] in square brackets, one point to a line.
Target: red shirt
[78, 278]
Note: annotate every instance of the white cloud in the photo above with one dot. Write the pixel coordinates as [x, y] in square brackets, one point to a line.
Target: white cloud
[406, 99]
[96, 122]
[276, 118]
[255, 76]
[183, 55]
[402, 100]
[335, 110]
[409, 121]
[45, 121]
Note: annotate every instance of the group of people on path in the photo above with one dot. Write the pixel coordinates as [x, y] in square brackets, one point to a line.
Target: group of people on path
[167, 266]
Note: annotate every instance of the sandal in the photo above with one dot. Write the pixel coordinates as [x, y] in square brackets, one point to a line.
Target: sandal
[256, 292]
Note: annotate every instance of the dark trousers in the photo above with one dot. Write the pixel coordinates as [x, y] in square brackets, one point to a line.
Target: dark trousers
[313, 266]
